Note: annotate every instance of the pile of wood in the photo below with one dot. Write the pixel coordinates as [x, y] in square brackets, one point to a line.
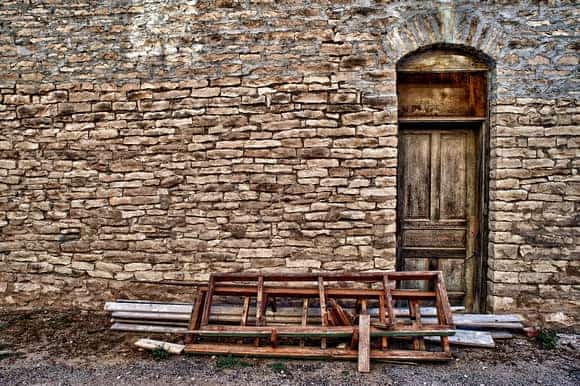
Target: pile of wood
[349, 316]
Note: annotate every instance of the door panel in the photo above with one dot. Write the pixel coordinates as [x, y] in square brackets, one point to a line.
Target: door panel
[453, 190]
[417, 188]
[437, 205]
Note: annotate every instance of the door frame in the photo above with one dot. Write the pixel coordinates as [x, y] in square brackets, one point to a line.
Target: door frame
[482, 137]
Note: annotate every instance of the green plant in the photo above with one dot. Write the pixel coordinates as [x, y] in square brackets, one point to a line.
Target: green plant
[278, 367]
[159, 354]
[547, 339]
[230, 362]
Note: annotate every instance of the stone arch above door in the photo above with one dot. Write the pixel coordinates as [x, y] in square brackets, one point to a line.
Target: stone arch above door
[445, 25]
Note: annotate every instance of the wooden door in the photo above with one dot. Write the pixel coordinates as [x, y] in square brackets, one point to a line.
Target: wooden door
[438, 204]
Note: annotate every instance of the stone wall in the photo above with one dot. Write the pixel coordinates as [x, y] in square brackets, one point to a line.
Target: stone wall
[161, 140]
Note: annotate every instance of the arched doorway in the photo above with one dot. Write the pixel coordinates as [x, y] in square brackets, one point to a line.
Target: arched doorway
[442, 177]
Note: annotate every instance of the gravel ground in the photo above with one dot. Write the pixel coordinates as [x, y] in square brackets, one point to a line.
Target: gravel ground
[76, 348]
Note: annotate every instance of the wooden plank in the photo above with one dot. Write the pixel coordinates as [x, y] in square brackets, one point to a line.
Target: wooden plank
[488, 318]
[412, 275]
[328, 276]
[158, 308]
[169, 323]
[260, 301]
[342, 317]
[418, 342]
[274, 338]
[495, 326]
[152, 316]
[259, 306]
[224, 289]
[382, 318]
[245, 310]
[195, 313]
[442, 294]
[148, 329]
[323, 314]
[364, 343]
[147, 310]
[363, 306]
[140, 301]
[150, 344]
[388, 300]
[441, 319]
[304, 320]
[313, 353]
[314, 331]
[468, 338]
[501, 335]
[306, 276]
[208, 299]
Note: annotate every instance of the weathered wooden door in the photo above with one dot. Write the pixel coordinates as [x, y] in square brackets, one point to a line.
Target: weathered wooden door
[442, 96]
[437, 204]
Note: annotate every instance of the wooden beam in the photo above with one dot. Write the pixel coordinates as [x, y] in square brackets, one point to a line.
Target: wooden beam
[259, 306]
[415, 315]
[194, 321]
[208, 299]
[468, 338]
[313, 353]
[382, 318]
[314, 331]
[444, 300]
[323, 314]
[245, 311]
[157, 310]
[260, 302]
[364, 343]
[304, 320]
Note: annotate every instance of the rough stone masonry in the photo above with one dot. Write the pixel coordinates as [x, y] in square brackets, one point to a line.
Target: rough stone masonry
[159, 140]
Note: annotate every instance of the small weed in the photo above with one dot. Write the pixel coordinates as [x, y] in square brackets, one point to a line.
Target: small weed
[159, 354]
[231, 362]
[547, 339]
[345, 373]
[278, 367]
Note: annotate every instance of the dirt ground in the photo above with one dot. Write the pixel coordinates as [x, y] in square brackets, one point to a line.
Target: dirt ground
[74, 348]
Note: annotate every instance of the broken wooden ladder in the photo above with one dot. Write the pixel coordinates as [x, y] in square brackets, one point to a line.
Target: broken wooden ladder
[334, 324]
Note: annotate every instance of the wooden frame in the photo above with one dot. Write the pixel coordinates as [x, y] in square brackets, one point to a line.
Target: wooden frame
[333, 322]
[455, 63]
